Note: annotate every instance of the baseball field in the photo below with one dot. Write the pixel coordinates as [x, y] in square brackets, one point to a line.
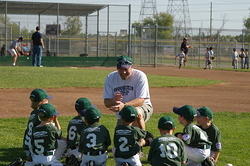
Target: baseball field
[225, 92]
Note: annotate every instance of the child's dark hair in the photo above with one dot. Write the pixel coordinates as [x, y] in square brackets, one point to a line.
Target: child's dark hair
[92, 121]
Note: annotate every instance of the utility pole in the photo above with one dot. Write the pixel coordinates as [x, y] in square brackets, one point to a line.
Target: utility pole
[211, 18]
[179, 9]
[148, 9]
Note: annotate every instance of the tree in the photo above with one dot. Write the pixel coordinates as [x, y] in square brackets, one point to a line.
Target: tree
[164, 21]
[247, 32]
[73, 26]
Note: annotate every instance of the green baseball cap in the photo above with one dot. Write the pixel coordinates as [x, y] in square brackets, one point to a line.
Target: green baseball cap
[38, 95]
[205, 111]
[166, 123]
[82, 104]
[47, 111]
[124, 62]
[128, 113]
[92, 113]
[187, 111]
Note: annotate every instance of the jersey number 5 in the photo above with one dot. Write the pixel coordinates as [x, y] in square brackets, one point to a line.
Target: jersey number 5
[169, 150]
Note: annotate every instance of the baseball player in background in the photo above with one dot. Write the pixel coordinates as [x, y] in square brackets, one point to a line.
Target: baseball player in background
[94, 140]
[181, 58]
[246, 65]
[167, 149]
[75, 127]
[128, 87]
[242, 58]
[128, 139]
[44, 138]
[235, 58]
[205, 122]
[15, 46]
[196, 140]
[209, 56]
[37, 98]
[185, 47]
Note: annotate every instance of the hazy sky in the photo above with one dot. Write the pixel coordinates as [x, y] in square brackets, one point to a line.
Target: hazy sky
[232, 11]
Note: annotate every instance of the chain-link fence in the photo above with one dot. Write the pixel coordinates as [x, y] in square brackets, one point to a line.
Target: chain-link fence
[150, 46]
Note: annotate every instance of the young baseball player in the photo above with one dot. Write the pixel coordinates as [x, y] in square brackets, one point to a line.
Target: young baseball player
[235, 57]
[14, 49]
[128, 139]
[37, 98]
[167, 149]
[44, 137]
[75, 127]
[181, 57]
[196, 140]
[205, 122]
[94, 140]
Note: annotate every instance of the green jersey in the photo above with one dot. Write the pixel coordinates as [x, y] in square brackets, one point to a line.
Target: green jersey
[195, 137]
[167, 150]
[94, 139]
[32, 122]
[44, 139]
[126, 141]
[75, 126]
[214, 136]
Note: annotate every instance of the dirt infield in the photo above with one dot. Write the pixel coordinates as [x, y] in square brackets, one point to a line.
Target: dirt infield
[232, 95]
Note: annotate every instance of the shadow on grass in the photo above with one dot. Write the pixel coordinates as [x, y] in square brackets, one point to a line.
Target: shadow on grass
[11, 154]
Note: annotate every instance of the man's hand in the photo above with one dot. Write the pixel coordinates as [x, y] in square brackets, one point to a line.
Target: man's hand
[118, 96]
[118, 107]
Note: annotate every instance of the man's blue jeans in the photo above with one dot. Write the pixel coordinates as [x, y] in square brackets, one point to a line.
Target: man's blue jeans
[37, 55]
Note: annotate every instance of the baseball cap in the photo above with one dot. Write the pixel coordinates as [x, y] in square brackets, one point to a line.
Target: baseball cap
[205, 111]
[82, 104]
[128, 113]
[166, 123]
[124, 62]
[47, 111]
[187, 111]
[38, 95]
[92, 113]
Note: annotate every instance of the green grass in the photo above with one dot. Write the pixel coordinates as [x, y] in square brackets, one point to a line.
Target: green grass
[233, 126]
[56, 77]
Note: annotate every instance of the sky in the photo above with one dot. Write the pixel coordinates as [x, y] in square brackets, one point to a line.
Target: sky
[231, 12]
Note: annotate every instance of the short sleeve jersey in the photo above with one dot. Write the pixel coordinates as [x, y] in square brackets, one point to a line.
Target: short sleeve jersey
[126, 140]
[75, 126]
[214, 136]
[194, 136]
[184, 47]
[36, 38]
[136, 86]
[235, 55]
[44, 139]
[167, 150]
[14, 44]
[94, 138]
[32, 122]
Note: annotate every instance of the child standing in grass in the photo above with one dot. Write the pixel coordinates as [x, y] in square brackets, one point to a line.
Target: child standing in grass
[37, 98]
[44, 138]
[205, 122]
[75, 127]
[167, 149]
[128, 139]
[95, 140]
[196, 140]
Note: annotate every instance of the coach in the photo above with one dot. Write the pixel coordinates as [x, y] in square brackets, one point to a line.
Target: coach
[38, 45]
[128, 86]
